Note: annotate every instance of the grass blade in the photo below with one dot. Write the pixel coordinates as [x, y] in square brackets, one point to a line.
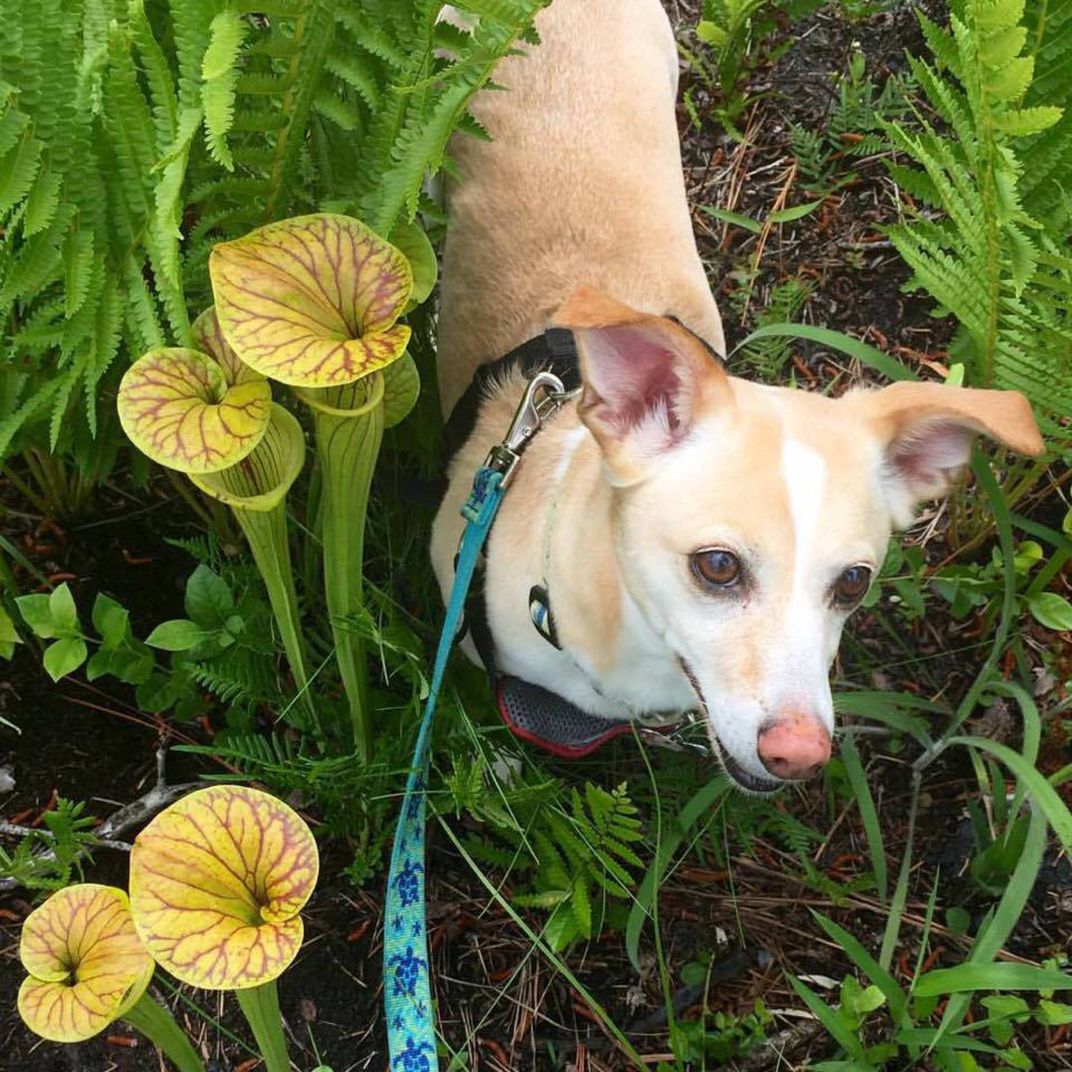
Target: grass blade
[829, 1019]
[700, 803]
[895, 996]
[990, 940]
[1045, 797]
[854, 768]
[996, 976]
[836, 340]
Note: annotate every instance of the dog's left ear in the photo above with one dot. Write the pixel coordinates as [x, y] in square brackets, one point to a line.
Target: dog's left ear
[926, 431]
[646, 380]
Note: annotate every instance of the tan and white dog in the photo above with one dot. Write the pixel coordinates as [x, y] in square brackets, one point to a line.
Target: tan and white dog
[704, 538]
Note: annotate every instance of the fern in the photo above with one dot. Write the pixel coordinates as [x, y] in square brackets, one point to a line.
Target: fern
[584, 855]
[994, 185]
[51, 858]
[853, 128]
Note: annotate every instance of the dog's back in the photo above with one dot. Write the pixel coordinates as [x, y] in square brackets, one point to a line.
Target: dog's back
[582, 182]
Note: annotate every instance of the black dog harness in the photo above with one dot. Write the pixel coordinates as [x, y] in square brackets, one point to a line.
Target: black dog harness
[531, 712]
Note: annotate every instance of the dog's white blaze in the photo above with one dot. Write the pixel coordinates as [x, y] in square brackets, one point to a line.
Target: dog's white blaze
[803, 664]
[804, 473]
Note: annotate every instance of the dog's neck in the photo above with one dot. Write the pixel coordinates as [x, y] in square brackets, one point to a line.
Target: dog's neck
[557, 528]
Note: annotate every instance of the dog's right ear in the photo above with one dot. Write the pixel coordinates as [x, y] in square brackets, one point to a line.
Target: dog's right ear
[646, 380]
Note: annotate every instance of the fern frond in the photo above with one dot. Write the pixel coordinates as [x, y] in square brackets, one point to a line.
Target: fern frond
[227, 32]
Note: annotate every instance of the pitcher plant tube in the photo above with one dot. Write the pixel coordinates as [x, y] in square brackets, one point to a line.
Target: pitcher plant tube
[86, 968]
[313, 302]
[217, 884]
[206, 414]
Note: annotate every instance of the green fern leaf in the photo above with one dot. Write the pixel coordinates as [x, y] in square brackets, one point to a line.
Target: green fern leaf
[43, 202]
[17, 172]
[218, 70]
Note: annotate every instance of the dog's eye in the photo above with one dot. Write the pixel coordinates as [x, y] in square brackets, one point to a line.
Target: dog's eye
[850, 587]
[718, 567]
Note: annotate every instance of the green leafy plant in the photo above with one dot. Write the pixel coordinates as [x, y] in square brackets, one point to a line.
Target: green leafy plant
[718, 1035]
[738, 34]
[979, 587]
[853, 129]
[578, 854]
[996, 256]
[294, 307]
[50, 857]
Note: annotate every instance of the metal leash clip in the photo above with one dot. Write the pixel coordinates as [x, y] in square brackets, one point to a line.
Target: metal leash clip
[673, 741]
[543, 397]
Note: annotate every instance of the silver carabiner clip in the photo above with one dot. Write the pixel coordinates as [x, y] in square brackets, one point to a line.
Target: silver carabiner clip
[543, 396]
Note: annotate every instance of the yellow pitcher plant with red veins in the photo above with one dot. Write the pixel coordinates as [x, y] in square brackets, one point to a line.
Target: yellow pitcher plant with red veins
[193, 411]
[207, 414]
[87, 968]
[217, 884]
[85, 962]
[313, 302]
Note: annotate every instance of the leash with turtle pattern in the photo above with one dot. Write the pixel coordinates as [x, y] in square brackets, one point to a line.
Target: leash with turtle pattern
[407, 988]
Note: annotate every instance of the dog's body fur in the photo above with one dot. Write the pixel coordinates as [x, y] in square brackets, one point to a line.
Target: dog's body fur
[664, 455]
[582, 184]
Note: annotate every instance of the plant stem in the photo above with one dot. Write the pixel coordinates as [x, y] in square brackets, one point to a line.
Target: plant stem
[266, 532]
[260, 1005]
[25, 490]
[348, 448]
[162, 1030]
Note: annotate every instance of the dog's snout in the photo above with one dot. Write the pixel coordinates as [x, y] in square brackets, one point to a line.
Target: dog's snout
[795, 747]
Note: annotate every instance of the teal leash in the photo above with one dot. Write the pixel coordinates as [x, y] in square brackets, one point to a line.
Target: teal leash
[407, 985]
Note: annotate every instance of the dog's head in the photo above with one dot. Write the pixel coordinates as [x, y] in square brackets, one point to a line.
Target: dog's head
[750, 520]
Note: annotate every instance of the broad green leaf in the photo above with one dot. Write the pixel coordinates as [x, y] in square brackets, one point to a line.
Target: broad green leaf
[85, 964]
[749, 224]
[413, 242]
[179, 634]
[64, 656]
[1051, 610]
[176, 406]
[1006, 1005]
[711, 33]
[217, 884]
[1028, 554]
[312, 301]
[36, 614]
[111, 620]
[208, 599]
[133, 666]
[9, 635]
[62, 610]
[401, 387]
[1053, 1013]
